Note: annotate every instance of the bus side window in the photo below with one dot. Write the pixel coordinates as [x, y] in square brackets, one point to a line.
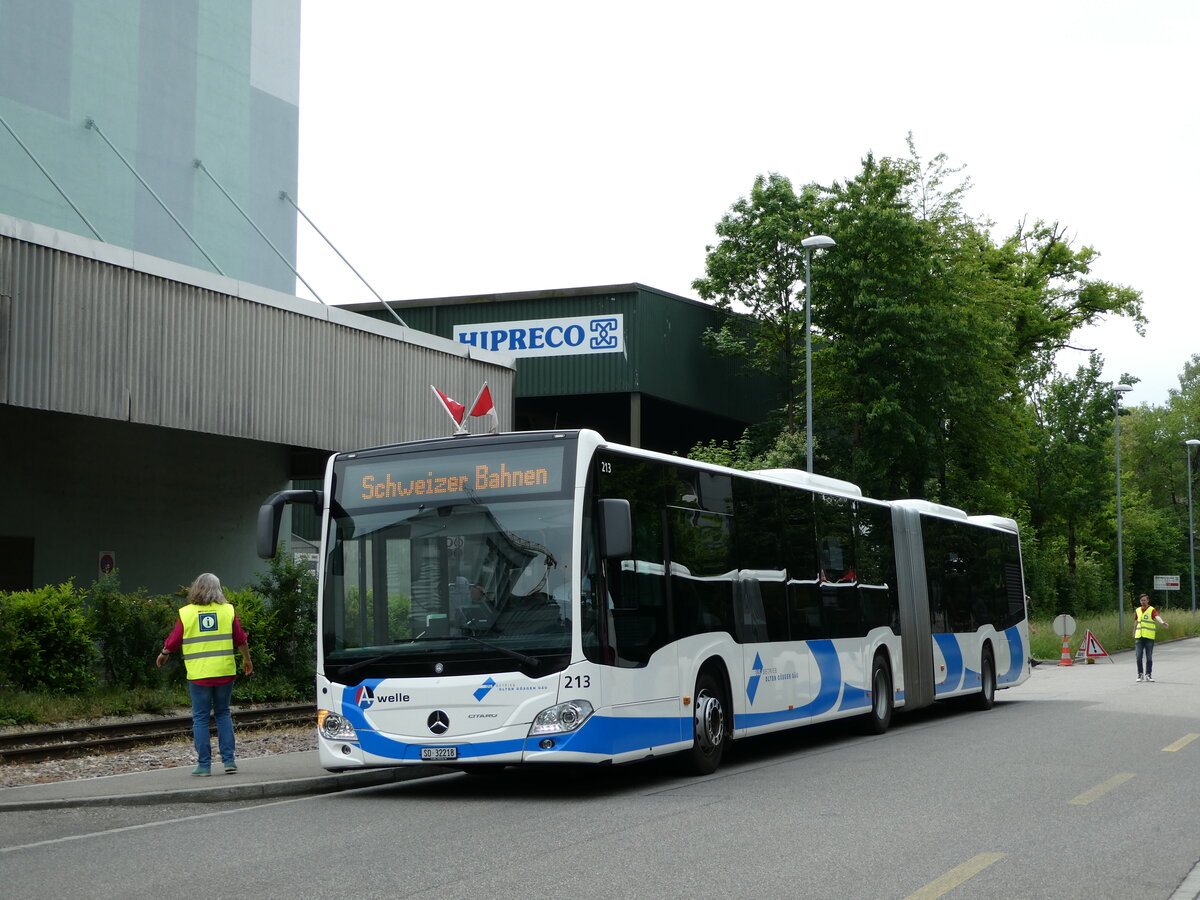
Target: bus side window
[702, 575]
[876, 567]
[841, 608]
[753, 619]
[798, 548]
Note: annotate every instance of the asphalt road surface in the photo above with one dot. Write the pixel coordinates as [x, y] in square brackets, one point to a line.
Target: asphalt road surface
[1080, 783]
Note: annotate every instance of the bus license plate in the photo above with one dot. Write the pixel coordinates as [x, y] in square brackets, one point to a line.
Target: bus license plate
[439, 753]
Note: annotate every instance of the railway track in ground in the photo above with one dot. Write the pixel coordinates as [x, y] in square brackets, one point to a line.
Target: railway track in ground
[61, 743]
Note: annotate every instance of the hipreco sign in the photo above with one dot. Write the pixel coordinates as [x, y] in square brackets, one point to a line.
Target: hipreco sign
[571, 336]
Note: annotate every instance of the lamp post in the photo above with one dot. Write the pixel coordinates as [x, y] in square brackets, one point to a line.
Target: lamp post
[816, 242]
[1118, 390]
[1188, 445]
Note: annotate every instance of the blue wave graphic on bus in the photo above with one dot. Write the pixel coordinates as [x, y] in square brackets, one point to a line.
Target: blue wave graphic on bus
[613, 735]
[952, 655]
[605, 735]
[1016, 656]
[830, 687]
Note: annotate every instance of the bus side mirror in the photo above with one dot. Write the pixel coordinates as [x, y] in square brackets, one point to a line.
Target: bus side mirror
[615, 527]
[271, 513]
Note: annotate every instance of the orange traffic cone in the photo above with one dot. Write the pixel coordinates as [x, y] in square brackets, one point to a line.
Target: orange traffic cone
[1066, 653]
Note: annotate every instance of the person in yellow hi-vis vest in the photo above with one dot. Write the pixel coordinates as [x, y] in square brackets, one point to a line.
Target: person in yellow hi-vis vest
[209, 633]
[1144, 634]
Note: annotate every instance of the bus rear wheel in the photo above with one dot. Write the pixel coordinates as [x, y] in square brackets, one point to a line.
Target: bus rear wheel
[882, 700]
[710, 726]
[987, 681]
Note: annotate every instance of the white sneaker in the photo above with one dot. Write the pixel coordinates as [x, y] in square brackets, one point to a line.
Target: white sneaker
[1148, 678]
[1139, 678]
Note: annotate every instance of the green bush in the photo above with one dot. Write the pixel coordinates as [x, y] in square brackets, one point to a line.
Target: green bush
[257, 622]
[289, 599]
[45, 643]
[129, 630]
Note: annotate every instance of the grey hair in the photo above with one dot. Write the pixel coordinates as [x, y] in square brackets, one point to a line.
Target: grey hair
[206, 589]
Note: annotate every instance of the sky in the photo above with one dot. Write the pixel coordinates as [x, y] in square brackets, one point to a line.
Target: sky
[462, 148]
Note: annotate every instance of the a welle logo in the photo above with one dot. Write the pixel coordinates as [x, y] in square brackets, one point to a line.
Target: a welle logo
[365, 697]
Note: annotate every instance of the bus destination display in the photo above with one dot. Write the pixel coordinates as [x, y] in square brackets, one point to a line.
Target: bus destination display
[492, 472]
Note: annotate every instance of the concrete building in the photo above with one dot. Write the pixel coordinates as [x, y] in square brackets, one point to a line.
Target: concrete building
[163, 84]
[158, 377]
[147, 409]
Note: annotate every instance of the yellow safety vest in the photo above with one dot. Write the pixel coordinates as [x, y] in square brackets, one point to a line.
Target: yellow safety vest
[208, 640]
[1146, 626]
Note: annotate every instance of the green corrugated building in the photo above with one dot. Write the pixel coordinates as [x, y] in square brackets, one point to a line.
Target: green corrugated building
[624, 359]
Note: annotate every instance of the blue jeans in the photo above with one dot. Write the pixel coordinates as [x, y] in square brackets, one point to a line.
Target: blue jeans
[212, 699]
[1144, 645]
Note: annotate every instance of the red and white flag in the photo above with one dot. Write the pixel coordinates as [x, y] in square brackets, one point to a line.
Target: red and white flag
[455, 409]
[484, 406]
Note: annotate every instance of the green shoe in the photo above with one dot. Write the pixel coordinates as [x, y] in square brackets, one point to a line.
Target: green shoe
[201, 771]
[230, 768]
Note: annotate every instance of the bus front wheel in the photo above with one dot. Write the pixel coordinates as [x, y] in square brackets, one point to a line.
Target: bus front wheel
[710, 726]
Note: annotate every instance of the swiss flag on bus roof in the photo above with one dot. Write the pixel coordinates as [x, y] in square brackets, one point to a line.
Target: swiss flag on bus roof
[484, 406]
[483, 403]
[456, 410]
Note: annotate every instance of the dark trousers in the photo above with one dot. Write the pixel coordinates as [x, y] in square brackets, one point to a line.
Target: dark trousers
[1144, 645]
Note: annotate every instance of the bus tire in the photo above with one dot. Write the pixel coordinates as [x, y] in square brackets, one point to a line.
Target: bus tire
[987, 680]
[710, 726]
[882, 698]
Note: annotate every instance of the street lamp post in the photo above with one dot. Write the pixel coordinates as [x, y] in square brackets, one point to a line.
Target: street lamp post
[816, 242]
[1188, 445]
[1118, 390]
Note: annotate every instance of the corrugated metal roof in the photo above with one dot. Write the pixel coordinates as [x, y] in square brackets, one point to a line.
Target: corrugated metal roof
[97, 331]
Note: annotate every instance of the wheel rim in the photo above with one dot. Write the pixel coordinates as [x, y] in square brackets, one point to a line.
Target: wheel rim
[880, 696]
[710, 722]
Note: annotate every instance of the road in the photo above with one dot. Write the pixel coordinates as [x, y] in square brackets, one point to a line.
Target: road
[1079, 784]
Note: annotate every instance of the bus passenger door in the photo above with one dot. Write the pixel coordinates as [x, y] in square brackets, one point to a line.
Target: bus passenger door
[776, 673]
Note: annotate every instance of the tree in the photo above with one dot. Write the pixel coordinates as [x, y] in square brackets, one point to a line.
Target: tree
[755, 274]
[1070, 488]
[1044, 284]
[914, 393]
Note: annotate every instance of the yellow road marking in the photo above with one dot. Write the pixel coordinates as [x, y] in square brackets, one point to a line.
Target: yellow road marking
[956, 876]
[1101, 789]
[1181, 743]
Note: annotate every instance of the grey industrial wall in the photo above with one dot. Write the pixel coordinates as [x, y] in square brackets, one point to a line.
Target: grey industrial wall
[148, 408]
[169, 504]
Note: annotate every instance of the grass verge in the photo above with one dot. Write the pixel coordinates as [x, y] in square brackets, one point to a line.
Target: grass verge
[1046, 644]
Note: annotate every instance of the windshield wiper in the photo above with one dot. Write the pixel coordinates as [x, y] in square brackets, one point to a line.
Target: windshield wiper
[370, 660]
[363, 663]
[531, 662]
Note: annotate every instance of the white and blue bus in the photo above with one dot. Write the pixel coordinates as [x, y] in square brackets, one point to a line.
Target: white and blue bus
[549, 597]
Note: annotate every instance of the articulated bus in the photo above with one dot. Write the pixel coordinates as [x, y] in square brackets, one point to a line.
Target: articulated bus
[548, 597]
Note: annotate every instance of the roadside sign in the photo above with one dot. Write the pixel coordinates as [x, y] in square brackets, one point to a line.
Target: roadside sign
[1064, 625]
[1166, 582]
[1091, 650]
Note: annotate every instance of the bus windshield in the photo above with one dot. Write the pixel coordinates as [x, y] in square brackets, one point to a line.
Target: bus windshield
[468, 579]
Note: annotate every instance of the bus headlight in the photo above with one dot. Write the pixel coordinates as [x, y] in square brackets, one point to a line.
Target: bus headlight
[334, 727]
[562, 718]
